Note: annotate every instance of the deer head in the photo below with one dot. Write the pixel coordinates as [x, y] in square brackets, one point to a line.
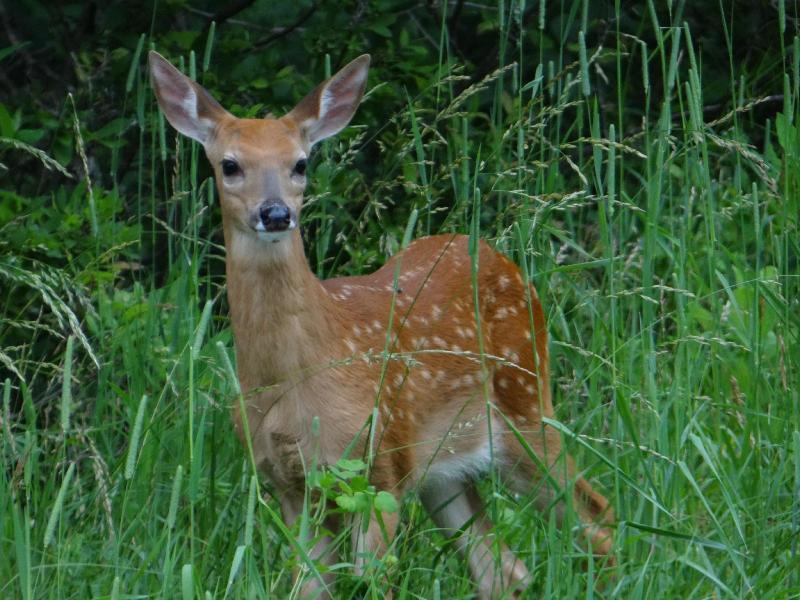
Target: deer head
[259, 164]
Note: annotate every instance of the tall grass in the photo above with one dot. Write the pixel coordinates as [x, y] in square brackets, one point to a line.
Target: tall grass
[663, 243]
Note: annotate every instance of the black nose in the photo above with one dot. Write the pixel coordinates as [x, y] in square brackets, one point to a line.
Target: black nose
[275, 217]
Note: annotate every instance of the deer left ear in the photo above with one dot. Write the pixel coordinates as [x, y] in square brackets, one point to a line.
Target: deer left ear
[328, 109]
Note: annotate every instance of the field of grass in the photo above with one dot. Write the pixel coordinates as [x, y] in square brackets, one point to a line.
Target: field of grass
[660, 231]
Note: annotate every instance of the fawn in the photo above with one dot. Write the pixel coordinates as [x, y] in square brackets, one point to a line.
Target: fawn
[478, 380]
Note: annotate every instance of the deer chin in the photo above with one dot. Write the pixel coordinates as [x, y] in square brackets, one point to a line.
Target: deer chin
[274, 237]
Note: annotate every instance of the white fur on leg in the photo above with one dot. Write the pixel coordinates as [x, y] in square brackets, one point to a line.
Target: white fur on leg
[452, 503]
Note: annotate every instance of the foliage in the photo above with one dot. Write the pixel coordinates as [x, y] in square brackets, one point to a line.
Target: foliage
[640, 160]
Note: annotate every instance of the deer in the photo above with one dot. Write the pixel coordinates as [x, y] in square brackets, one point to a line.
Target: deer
[464, 383]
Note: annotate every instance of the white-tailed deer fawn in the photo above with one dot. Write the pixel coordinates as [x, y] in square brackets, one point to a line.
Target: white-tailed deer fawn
[479, 379]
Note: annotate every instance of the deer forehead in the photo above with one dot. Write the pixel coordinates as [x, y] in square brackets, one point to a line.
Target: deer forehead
[258, 142]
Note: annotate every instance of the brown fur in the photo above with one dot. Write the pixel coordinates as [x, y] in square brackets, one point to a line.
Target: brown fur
[409, 339]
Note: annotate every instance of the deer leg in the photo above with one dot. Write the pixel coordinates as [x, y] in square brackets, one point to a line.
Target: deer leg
[520, 469]
[319, 550]
[371, 538]
[452, 504]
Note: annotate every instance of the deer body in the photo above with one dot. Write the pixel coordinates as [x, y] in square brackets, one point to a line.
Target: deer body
[330, 364]
[455, 384]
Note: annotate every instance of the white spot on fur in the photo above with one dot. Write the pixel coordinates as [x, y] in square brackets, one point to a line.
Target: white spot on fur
[529, 389]
[503, 282]
[439, 342]
[350, 345]
[503, 383]
[436, 312]
[419, 342]
[465, 332]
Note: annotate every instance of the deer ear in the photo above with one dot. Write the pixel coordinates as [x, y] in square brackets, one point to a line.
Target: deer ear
[328, 109]
[187, 105]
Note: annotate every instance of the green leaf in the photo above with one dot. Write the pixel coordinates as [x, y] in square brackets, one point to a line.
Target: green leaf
[382, 30]
[112, 129]
[385, 502]
[7, 126]
[347, 503]
[359, 483]
[363, 502]
[786, 131]
[353, 464]
[9, 50]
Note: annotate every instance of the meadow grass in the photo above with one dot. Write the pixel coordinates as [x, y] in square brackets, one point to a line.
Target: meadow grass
[665, 250]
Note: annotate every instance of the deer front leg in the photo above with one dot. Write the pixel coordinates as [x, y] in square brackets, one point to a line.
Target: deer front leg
[459, 512]
[371, 538]
[319, 550]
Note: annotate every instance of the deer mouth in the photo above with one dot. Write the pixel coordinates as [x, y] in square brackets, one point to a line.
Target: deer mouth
[274, 237]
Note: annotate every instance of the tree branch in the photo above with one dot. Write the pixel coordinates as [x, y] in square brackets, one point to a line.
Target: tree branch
[264, 42]
[229, 11]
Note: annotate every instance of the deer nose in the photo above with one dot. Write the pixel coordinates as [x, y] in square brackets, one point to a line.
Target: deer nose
[275, 216]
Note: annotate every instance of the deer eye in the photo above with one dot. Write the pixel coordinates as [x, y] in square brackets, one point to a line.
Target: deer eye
[300, 167]
[230, 167]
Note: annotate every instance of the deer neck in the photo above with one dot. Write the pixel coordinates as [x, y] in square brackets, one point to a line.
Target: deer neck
[283, 319]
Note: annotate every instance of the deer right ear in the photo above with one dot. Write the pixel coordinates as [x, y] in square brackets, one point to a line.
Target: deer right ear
[187, 105]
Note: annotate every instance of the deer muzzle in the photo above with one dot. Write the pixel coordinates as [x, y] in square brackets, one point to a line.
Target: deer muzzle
[275, 220]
